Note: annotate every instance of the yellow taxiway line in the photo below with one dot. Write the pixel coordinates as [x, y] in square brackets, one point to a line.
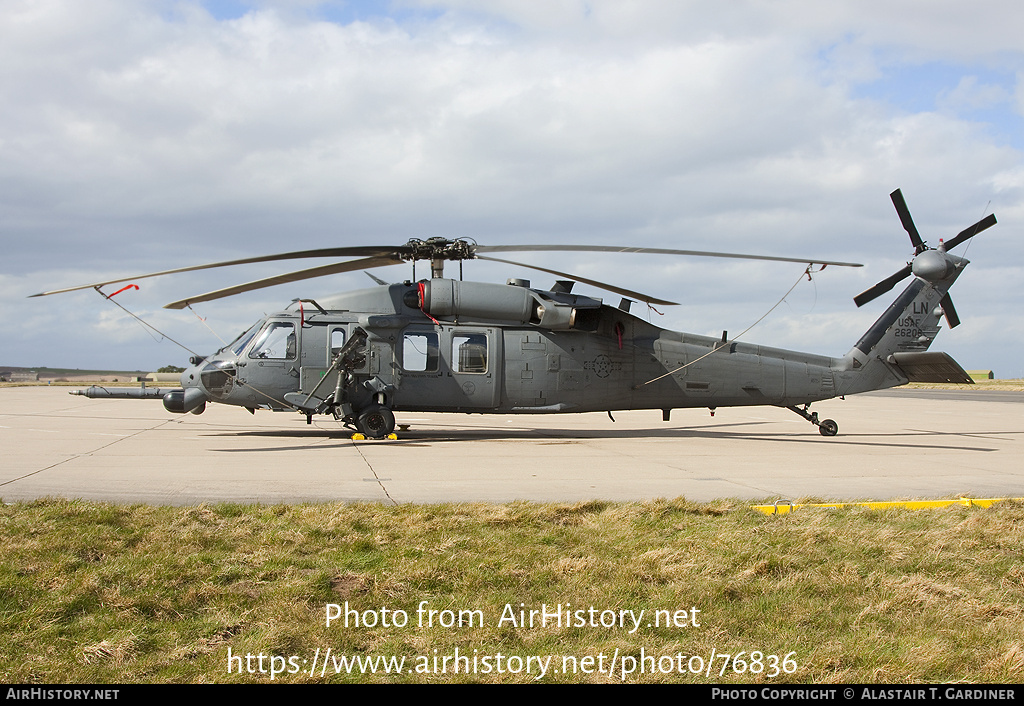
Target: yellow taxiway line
[782, 507]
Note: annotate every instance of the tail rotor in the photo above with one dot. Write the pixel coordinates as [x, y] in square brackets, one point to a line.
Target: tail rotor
[931, 264]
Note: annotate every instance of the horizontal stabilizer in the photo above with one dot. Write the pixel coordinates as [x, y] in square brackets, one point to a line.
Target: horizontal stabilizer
[930, 367]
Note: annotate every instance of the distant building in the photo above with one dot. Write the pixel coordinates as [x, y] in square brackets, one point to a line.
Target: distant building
[161, 377]
[981, 375]
[30, 376]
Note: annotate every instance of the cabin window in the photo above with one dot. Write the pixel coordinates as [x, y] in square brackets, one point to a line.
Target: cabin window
[337, 342]
[469, 353]
[420, 352]
[275, 342]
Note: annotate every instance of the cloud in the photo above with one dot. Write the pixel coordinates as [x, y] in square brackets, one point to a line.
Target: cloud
[970, 94]
[138, 136]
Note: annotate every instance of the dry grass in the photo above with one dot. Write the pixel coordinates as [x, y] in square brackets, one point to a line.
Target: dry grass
[102, 593]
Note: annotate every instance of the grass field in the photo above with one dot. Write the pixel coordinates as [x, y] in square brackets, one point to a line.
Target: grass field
[102, 593]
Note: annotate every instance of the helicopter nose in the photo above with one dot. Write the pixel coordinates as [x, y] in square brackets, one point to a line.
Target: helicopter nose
[190, 377]
[192, 398]
[214, 377]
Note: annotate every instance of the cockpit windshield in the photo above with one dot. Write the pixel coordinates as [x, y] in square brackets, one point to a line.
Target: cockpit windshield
[239, 344]
[276, 342]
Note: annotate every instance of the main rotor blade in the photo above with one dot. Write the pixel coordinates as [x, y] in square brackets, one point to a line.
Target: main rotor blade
[907, 221]
[947, 308]
[298, 276]
[374, 251]
[882, 287]
[656, 251]
[592, 282]
[968, 233]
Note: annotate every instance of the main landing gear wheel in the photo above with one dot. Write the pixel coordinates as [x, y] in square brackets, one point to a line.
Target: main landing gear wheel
[828, 428]
[376, 422]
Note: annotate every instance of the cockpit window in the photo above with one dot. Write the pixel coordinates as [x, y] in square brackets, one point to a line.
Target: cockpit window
[238, 345]
[276, 342]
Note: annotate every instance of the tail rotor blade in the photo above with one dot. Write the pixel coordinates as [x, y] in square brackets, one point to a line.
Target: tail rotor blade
[968, 233]
[947, 308]
[907, 221]
[882, 287]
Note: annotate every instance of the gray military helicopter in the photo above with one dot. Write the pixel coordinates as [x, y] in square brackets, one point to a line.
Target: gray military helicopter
[449, 345]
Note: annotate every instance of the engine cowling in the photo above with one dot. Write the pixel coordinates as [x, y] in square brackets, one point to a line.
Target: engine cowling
[513, 303]
[479, 300]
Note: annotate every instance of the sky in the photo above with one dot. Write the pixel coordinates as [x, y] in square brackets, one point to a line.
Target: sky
[141, 135]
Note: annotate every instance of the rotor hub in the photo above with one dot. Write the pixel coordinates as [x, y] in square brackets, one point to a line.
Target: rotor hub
[933, 265]
[435, 249]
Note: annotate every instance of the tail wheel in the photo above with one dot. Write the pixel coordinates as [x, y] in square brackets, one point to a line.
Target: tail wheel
[828, 428]
[376, 422]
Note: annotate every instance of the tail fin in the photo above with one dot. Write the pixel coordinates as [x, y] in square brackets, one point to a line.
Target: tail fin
[894, 350]
[910, 323]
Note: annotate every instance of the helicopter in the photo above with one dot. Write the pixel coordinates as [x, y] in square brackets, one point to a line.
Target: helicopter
[449, 345]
